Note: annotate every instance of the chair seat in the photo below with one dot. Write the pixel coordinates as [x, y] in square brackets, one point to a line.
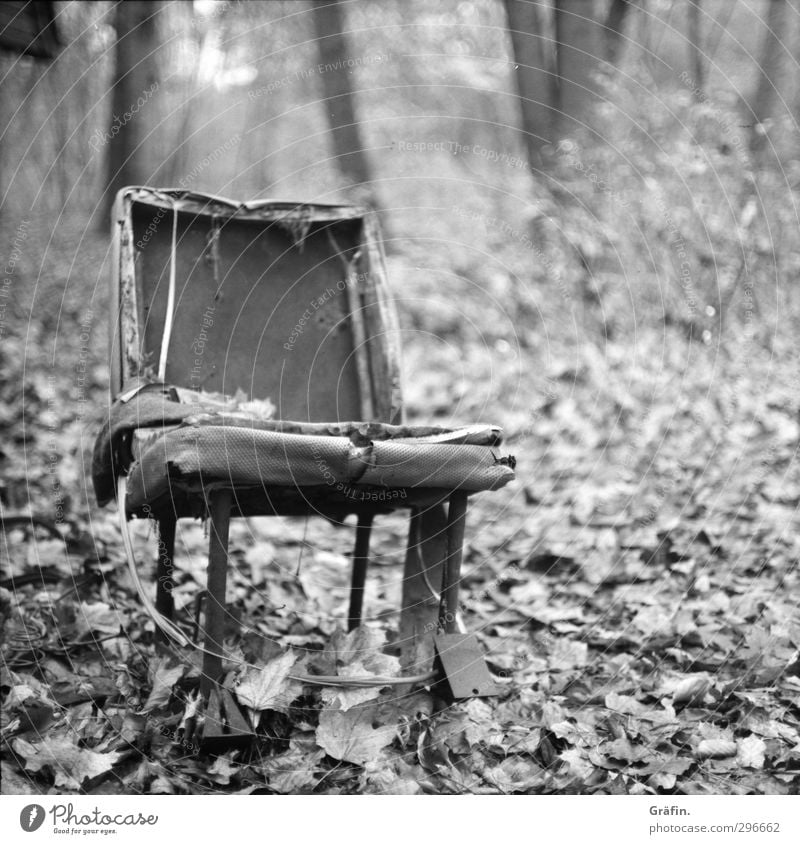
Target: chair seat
[167, 446]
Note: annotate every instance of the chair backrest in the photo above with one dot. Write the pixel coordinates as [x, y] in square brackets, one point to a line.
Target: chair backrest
[282, 301]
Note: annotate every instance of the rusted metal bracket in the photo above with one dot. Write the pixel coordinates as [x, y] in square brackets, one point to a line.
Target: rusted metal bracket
[458, 657]
[224, 728]
[462, 669]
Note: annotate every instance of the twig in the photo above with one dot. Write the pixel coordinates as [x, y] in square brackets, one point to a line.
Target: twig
[9, 522]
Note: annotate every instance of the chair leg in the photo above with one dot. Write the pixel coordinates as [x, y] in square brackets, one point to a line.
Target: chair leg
[360, 563]
[451, 574]
[427, 548]
[219, 505]
[165, 603]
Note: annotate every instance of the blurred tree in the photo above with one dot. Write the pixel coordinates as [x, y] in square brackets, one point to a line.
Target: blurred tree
[579, 52]
[207, 34]
[29, 28]
[558, 87]
[615, 22]
[334, 56]
[135, 80]
[536, 79]
[694, 38]
[770, 63]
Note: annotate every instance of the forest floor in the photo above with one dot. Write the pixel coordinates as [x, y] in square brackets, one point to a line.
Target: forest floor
[635, 589]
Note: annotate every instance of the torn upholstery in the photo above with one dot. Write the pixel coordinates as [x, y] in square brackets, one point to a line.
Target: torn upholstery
[162, 444]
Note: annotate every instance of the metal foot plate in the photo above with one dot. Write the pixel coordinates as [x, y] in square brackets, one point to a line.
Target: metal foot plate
[224, 728]
[462, 668]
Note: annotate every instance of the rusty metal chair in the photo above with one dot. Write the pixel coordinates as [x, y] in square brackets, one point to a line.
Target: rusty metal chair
[223, 311]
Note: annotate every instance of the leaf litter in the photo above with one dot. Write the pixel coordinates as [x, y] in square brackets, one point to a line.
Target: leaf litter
[637, 606]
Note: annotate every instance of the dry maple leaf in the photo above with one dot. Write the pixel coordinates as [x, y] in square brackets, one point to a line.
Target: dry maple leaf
[70, 764]
[751, 752]
[222, 770]
[268, 687]
[350, 735]
[165, 676]
[292, 772]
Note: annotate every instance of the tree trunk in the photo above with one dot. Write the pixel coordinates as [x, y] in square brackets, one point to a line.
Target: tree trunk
[536, 80]
[333, 53]
[135, 85]
[770, 61]
[695, 50]
[579, 52]
[615, 22]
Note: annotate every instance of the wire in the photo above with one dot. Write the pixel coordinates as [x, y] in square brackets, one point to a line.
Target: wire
[362, 682]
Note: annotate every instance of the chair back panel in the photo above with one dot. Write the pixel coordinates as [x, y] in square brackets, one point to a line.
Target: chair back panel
[282, 302]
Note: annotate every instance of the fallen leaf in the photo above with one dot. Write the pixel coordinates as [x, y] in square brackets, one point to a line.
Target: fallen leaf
[70, 764]
[625, 751]
[433, 756]
[516, 774]
[269, 687]
[567, 654]
[350, 735]
[18, 695]
[326, 582]
[711, 731]
[653, 621]
[481, 725]
[392, 776]
[660, 765]
[260, 558]
[193, 706]
[165, 676]
[449, 729]
[691, 691]
[98, 618]
[623, 703]
[162, 785]
[362, 646]
[348, 697]
[11, 782]
[552, 713]
[751, 752]
[292, 772]
[715, 749]
[357, 654]
[662, 779]
[222, 770]
[579, 765]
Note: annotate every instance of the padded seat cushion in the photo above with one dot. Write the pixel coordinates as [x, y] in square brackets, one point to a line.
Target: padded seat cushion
[161, 443]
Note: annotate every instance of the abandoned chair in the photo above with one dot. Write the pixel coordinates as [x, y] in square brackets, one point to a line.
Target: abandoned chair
[245, 340]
